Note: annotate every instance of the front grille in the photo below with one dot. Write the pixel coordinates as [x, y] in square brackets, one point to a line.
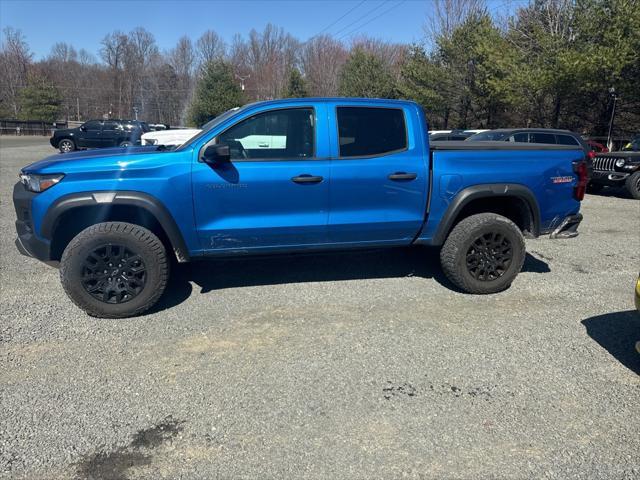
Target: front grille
[605, 164]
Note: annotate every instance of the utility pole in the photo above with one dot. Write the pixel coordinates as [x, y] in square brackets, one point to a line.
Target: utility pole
[612, 94]
[242, 79]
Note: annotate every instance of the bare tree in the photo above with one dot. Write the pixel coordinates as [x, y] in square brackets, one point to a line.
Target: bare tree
[113, 52]
[449, 14]
[15, 59]
[322, 58]
[210, 47]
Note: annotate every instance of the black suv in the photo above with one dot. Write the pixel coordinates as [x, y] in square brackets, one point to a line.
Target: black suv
[618, 169]
[99, 133]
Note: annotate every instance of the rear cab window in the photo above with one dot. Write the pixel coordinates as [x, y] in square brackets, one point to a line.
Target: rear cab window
[370, 131]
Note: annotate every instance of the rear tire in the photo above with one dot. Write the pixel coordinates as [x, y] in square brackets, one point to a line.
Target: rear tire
[633, 185]
[114, 270]
[66, 145]
[483, 253]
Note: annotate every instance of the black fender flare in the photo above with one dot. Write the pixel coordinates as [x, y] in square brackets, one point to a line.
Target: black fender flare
[488, 190]
[120, 197]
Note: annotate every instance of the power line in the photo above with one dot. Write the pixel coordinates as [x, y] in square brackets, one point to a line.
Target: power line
[371, 20]
[336, 21]
[361, 18]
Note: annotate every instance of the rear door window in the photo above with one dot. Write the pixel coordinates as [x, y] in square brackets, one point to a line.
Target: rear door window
[369, 131]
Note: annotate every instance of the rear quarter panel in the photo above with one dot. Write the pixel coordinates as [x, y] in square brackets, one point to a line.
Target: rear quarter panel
[545, 172]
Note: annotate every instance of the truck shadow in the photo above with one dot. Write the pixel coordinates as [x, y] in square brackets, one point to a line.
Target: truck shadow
[219, 274]
[617, 333]
[617, 192]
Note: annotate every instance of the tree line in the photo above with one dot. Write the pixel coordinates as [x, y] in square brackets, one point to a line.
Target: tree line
[551, 63]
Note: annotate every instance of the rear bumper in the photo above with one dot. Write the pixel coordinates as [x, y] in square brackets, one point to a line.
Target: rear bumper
[27, 242]
[568, 228]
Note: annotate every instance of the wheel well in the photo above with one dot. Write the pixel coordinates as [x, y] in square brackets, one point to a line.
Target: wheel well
[514, 208]
[73, 221]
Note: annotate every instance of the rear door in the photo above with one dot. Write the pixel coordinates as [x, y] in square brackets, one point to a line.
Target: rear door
[111, 131]
[273, 194]
[379, 175]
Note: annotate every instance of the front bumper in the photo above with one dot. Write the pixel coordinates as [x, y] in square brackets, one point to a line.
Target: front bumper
[568, 227]
[608, 178]
[27, 242]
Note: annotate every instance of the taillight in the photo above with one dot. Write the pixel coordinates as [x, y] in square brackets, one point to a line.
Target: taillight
[580, 168]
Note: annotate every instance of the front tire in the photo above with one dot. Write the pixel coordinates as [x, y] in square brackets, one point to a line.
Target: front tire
[483, 253]
[114, 270]
[633, 185]
[126, 143]
[66, 145]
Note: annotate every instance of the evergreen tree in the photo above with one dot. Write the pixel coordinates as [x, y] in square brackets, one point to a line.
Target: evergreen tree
[366, 75]
[216, 92]
[39, 100]
[297, 86]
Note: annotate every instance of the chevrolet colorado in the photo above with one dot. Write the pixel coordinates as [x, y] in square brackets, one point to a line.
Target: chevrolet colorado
[287, 176]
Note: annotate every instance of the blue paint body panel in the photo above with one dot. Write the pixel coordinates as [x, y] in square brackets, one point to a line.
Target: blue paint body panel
[253, 206]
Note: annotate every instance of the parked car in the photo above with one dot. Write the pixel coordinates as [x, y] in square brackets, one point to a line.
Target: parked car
[350, 173]
[450, 136]
[169, 137]
[633, 145]
[98, 134]
[533, 135]
[617, 169]
[596, 147]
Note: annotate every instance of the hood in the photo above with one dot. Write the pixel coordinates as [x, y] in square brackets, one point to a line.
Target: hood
[170, 137]
[59, 160]
[628, 155]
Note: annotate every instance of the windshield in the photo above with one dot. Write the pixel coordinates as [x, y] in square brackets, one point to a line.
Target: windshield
[487, 136]
[209, 125]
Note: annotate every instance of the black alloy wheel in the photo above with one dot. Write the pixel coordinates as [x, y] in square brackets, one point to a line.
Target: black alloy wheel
[113, 273]
[489, 256]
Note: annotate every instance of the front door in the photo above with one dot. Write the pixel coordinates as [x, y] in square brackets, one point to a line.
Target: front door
[274, 192]
[91, 134]
[379, 178]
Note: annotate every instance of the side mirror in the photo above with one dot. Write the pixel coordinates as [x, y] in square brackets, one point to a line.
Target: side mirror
[83, 128]
[216, 154]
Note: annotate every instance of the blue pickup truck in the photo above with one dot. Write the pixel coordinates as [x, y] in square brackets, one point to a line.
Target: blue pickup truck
[286, 176]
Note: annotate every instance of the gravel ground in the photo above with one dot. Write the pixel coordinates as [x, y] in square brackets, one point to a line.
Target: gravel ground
[350, 365]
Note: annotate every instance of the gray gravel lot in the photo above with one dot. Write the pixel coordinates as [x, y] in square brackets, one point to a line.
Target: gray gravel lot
[350, 365]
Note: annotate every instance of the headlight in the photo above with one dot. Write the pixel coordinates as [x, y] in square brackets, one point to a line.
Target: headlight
[39, 183]
[620, 162]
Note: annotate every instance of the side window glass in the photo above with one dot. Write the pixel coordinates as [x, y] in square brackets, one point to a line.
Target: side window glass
[540, 137]
[278, 135]
[92, 125]
[566, 140]
[365, 131]
[111, 126]
[521, 137]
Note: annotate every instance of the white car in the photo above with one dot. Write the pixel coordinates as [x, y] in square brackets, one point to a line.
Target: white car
[169, 137]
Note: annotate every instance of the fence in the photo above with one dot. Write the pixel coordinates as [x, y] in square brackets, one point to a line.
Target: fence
[29, 127]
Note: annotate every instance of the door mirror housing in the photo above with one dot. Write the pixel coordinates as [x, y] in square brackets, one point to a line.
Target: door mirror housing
[83, 128]
[218, 153]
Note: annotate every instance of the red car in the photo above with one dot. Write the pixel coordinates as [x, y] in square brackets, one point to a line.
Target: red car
[596, 148]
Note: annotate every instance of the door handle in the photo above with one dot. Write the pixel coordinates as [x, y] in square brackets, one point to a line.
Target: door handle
[403, 176]
[306, 178]
[263, 145]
